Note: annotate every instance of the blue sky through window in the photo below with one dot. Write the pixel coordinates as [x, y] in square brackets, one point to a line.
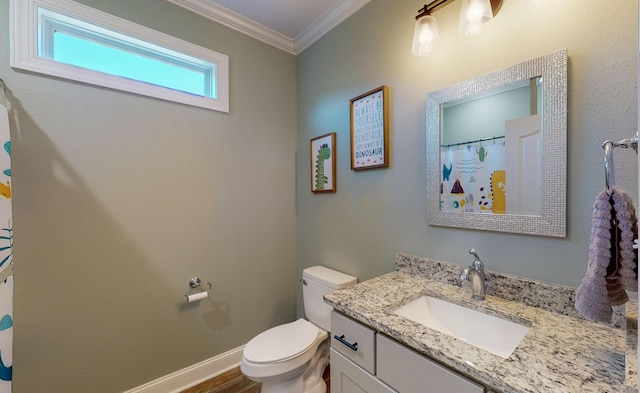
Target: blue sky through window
[114, 61]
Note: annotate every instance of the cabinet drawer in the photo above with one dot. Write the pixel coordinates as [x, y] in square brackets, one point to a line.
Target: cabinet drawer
[407, 371]
[355, 341]
[346, 377]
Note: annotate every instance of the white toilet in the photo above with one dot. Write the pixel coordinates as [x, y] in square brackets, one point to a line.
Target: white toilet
[291, 358]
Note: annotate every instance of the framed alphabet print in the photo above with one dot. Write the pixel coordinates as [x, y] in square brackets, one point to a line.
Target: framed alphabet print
[323, 163]
[370, 130]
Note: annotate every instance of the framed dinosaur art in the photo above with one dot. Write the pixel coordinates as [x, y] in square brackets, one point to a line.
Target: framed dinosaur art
[323, 163]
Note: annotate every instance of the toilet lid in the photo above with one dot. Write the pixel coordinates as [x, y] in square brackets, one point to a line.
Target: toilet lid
[281, 342]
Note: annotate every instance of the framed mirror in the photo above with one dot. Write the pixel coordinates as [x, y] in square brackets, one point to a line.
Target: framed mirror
[497, 150]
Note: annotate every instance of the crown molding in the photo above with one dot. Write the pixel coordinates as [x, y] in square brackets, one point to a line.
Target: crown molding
[329, 20]
[233, 20]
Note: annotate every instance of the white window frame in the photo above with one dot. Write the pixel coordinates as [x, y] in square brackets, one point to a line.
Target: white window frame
[24, 53]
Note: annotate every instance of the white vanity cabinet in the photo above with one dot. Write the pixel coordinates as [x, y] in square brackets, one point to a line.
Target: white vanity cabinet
[353, 351]
[365, 362]
[407, 371]
[353, 340]
[346, 377]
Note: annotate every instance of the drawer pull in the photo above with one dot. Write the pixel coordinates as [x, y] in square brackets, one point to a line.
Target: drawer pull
[353, 346]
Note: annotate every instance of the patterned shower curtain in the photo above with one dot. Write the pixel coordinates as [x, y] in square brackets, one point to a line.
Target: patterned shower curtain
[6, 254]
[473, 178]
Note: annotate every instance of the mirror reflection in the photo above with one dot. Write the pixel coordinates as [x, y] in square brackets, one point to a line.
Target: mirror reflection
[490, 151]
[496, 150]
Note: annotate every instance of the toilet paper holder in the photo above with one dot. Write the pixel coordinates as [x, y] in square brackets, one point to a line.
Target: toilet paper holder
[195, 283]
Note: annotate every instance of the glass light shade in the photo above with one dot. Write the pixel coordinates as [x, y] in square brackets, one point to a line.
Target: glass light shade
[472, 15]
[425, 36]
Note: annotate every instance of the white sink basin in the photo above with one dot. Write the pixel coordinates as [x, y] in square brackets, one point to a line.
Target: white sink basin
[493, 334]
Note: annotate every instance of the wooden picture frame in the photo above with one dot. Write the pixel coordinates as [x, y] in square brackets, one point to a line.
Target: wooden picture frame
[370, 130]
[323, 163]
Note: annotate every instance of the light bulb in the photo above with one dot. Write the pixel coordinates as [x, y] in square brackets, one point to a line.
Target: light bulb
[425, 36]
[474, 13]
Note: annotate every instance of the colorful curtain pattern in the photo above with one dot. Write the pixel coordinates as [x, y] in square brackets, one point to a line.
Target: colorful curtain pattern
[473, 178]
[6, 256]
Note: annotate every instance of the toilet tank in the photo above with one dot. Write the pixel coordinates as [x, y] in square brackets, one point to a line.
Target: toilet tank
[318, 281]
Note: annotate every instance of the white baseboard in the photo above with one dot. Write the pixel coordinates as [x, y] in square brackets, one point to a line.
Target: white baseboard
[192, 375]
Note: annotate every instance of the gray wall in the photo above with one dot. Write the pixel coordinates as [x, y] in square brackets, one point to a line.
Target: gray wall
[379, 212]
[485, 117]
[120, 199]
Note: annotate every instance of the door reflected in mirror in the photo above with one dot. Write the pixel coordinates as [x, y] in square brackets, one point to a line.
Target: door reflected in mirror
[496, 150]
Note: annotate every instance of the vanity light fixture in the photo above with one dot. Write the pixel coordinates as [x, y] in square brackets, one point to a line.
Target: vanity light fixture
[473, 14]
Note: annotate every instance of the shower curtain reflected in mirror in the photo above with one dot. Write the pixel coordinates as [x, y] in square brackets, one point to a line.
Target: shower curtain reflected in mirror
[473, 178]
[6, 254]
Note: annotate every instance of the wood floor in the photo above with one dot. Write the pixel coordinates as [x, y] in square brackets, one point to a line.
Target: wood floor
[234, 382]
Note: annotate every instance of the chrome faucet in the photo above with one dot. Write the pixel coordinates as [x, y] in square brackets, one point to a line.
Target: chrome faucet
[475, 275]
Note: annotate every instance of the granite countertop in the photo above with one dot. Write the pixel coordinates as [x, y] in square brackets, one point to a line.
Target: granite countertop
[631, 364]
[560, 353]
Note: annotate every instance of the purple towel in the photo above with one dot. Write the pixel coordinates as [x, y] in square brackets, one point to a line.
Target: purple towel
[628, 230]
[613, 261]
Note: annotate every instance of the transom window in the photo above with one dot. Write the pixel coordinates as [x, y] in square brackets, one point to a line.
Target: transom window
[73, 41]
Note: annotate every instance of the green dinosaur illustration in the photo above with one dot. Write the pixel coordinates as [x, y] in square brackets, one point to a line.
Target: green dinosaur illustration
[323, 154]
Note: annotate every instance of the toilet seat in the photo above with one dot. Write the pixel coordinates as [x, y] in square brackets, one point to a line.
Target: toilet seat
[281, 343]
